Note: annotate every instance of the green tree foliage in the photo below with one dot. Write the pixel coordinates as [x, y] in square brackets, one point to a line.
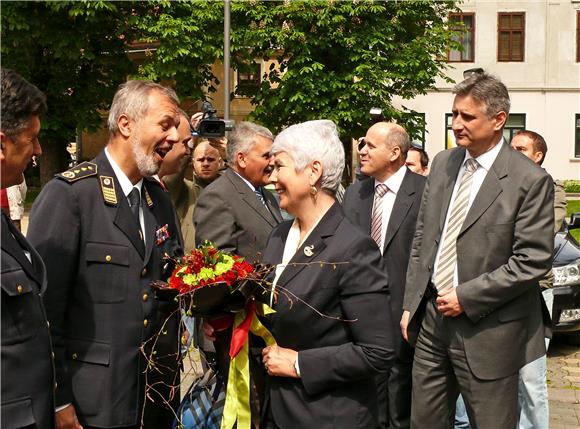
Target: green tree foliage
[189, 35]
[337, 59]
[75, 53]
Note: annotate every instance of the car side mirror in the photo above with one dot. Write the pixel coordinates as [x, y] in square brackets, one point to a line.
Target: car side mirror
[574, 221]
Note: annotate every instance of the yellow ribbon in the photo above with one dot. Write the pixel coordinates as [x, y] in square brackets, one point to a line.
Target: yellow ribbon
[237, 406]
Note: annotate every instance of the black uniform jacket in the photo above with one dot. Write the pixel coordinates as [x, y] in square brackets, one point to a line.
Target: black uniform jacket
[99, 301]
[338, 359]
[27, 368]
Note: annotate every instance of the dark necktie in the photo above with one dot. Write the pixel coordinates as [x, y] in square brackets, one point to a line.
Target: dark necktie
[135, 203]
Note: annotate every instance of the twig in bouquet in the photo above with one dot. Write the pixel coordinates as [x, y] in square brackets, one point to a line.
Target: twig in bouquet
[290, 295]
[153, 364]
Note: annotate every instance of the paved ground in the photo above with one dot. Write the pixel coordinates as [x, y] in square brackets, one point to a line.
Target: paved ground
[564, 385]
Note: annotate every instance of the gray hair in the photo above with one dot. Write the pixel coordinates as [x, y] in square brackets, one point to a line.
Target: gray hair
[132, 100]
[242, 138]
[314, 141]
[486, 89]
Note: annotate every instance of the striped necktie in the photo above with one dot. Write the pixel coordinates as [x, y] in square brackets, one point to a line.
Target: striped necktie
[377, 218]
[448, 256]
[260, 196]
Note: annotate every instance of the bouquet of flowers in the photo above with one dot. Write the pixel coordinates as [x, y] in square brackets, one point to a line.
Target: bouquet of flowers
[210, 281]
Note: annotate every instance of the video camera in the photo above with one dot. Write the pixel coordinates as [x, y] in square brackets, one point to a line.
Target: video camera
[210, 125]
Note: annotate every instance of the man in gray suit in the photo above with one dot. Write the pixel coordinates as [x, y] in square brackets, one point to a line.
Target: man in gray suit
[383, 153]
[484, 237]
[235, 212]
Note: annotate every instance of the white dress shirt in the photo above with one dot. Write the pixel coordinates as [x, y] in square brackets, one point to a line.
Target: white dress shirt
[127, 187]
[485, 162]
[393, 184]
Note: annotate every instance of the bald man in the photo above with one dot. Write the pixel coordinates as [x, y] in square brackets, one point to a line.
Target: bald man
[386, 208]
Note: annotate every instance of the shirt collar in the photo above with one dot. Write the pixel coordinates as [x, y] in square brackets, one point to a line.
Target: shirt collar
[245, 180]
[486, 160]
[395, 180]
[124, 181]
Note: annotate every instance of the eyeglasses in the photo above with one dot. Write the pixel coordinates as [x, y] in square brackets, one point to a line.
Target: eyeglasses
[361, 143]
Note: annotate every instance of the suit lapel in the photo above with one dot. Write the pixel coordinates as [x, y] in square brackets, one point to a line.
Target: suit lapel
[452, 169]
[365, 210]
[403, 203]
[272, 205]
[250, 198]
[490, 189]
[150, 221]
[13, 243]
[314, 244]
[122, 215]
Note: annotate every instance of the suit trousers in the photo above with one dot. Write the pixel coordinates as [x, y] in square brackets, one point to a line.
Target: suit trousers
[394, 396]
[441, 372]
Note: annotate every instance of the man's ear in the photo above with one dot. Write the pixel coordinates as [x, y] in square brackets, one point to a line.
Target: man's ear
[538, 157]
[125, 125]
[500, 120]
[241, 159]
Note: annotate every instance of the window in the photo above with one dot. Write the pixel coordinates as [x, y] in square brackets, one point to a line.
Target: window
[464, 23]
[577, 139]
[449, 137]
[510, 36]
[578, 36]
[516, 122]
[249, 78]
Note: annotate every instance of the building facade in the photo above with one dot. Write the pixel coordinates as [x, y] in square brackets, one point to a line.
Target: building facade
[533, 46]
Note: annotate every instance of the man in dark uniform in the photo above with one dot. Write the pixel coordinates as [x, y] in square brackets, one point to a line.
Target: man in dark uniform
[103, 228]
[27, 369]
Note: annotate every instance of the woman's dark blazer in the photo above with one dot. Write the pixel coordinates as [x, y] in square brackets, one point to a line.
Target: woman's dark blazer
[338, 272]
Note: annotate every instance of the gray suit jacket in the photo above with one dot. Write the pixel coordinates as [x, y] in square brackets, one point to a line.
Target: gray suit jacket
[358, 207]
[505, 245]
[231, 216]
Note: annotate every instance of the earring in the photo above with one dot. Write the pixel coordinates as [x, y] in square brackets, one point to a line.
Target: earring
[313, 190]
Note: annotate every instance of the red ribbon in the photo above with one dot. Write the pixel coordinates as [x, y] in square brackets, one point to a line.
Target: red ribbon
[240, 334]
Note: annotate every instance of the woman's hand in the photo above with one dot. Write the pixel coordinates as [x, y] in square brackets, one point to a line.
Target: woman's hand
[279, 361]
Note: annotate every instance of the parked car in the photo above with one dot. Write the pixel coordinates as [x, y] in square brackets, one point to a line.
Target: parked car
[566, 268]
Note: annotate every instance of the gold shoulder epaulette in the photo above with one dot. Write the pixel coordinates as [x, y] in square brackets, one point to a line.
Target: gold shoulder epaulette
[84, 169]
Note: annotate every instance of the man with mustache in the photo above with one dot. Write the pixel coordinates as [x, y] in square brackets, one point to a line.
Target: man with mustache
[103, 229]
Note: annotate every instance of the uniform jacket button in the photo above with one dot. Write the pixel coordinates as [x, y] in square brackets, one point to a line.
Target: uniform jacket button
[19, 288]
[145, 297]
[145, 322]
[108, 258]
[75, 356]
[144, 272]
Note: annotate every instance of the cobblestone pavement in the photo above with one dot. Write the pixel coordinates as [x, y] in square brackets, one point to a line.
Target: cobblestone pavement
[564, 384]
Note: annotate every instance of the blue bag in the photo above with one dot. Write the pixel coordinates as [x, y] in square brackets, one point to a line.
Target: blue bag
[203, 405]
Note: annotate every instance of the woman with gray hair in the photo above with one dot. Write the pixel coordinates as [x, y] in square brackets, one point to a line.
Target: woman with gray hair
[329, 291]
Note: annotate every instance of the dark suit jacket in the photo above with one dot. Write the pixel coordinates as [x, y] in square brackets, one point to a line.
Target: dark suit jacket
[338, 359]
[26, 354]
[358, 207]
[505, 245]
[99, 300]
[230, 215]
